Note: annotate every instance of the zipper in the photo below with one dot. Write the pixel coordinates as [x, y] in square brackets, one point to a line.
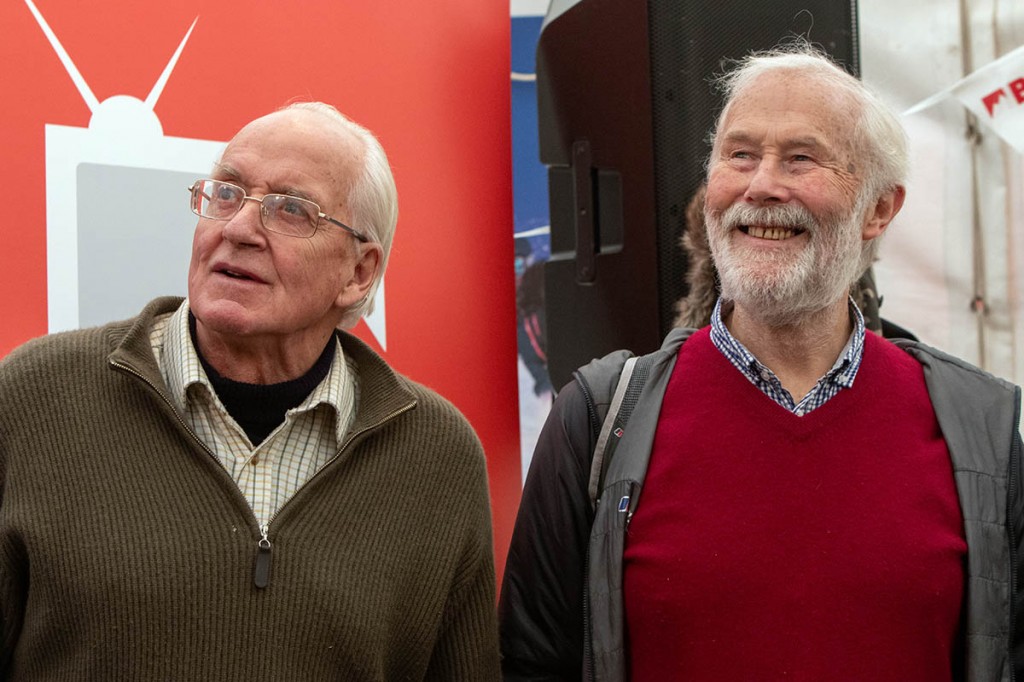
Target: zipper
[261, 574]
[634, 499]
[1011, 493]
[588, 645]
[261, 570]
[595, 423]
[589, 662]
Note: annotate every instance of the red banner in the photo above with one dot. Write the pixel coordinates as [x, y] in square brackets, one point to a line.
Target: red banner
[430, 79]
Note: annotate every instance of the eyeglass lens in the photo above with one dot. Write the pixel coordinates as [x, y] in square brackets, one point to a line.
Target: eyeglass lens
[279, 212]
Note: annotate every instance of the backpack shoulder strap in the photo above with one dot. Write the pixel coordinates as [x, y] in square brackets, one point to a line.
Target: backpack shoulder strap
[598, 378]
[597, 467]
[631, 383]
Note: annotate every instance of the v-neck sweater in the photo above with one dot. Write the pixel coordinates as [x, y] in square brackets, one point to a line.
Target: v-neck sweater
[769, 545]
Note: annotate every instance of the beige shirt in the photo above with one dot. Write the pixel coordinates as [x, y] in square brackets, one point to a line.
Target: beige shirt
[269, 473]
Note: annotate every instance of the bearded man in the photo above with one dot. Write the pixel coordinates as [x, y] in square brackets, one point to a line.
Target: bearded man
[817, 502]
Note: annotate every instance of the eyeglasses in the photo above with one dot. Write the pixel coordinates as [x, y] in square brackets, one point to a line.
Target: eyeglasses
[280, 213]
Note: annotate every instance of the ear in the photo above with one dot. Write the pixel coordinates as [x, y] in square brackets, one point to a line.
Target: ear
[364, 272]
[886, 208]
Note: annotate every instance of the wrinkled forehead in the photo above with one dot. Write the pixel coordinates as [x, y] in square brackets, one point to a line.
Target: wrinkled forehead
[809, 105]
[289, 149]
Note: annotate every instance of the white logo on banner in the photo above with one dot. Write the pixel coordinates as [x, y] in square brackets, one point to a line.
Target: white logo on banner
[115, 236]
[995, 94]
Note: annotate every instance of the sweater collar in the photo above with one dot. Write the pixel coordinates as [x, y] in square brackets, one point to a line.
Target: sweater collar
[383, 393]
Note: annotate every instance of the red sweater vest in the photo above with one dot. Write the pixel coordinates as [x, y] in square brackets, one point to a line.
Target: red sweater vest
[769, 546]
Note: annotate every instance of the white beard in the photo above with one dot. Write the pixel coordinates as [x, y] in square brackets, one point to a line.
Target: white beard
[778, 286]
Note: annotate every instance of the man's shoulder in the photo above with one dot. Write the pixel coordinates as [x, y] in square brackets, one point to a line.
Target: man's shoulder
[599, 377]
[963, 394]
[383, 389]
[68, 352]
[432, 405]
[59, 347]
[44, 374]
[949, 366]
[438, 439]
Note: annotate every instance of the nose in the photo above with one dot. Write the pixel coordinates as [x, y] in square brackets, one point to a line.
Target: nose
[768, 183]
[246, 227]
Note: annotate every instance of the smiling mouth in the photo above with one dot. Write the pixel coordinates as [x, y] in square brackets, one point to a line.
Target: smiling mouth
[771, 233]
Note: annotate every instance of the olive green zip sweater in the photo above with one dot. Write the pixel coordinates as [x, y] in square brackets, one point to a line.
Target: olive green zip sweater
[127, 552]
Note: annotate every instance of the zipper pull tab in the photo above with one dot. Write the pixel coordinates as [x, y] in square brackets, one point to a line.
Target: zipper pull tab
[628, 504]
[261, 577]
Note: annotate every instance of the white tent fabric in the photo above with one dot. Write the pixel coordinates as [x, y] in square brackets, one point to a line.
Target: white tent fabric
[952, 265]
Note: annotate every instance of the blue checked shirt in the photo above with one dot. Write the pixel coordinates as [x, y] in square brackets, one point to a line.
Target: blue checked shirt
[841, 376]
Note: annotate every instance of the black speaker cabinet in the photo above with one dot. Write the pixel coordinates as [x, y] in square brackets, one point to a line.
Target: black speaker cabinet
[625, 112]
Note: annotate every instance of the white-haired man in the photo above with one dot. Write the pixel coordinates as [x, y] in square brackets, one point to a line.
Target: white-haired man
[231, 488]
[817, 503]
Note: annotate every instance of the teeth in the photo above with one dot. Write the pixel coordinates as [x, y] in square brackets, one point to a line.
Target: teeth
[774, 233]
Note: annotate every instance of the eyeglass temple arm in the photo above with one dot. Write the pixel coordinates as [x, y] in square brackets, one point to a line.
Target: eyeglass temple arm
[193, 188]
[355, 233]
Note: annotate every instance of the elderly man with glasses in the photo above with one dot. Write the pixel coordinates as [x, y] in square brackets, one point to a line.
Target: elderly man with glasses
[229, 487]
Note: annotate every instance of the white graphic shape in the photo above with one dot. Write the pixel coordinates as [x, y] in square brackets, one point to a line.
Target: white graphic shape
[375, 320]
[67, 150]
[123, 132]
[137, 244]
[65, 59]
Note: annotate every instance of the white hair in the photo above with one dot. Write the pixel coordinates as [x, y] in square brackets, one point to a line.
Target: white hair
[877, 140]
[372, 199]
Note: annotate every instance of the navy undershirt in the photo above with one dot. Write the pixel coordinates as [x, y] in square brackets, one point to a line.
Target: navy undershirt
[261, 408]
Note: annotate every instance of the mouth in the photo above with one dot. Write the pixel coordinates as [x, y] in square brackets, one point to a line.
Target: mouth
[234, 273]
[771, 232]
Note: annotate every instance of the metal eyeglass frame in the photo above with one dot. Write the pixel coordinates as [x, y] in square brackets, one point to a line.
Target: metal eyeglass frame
[194, 204]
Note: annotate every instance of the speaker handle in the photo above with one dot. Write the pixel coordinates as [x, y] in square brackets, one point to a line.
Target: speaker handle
[583, 195]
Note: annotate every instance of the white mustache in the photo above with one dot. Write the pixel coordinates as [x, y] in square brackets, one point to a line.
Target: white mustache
[783, 215]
